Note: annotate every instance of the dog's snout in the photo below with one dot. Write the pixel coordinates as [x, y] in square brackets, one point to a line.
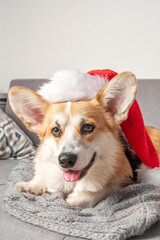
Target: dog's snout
[67, 160]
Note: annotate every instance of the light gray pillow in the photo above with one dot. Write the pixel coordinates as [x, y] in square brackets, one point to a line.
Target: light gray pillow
[14, 144]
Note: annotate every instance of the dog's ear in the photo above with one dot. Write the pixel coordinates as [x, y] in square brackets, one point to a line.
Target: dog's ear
[28, 106]
[118, 95]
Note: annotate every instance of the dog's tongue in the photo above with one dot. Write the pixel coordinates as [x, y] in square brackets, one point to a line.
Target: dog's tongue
[71, 176]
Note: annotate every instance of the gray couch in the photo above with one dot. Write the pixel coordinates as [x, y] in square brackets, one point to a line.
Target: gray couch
[11, 228]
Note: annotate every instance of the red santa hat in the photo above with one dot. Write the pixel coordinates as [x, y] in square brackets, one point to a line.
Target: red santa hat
[70, 85]
[134, 129]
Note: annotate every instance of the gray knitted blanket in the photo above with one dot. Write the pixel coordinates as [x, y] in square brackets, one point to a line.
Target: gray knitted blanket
[124, 214]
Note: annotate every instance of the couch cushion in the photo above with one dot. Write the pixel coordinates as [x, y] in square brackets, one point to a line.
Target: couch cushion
[14, 144]
[5, 168]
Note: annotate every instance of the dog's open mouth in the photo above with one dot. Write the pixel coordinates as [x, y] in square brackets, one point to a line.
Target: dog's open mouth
[72, 176]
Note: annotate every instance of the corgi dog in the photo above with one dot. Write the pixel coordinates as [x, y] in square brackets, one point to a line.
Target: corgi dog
[81, 153]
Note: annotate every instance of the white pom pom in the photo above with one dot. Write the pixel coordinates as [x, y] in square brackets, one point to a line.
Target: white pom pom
[71, 85]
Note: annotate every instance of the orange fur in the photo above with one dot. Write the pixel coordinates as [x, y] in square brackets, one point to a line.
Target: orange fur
[154, 134]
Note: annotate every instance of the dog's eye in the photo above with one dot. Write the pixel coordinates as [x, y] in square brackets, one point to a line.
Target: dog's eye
[56, 132]
[87, 128]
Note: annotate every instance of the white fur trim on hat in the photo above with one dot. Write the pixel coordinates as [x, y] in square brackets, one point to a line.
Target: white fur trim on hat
[71, 85]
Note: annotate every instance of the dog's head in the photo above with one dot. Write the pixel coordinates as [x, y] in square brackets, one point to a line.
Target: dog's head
[73, 134]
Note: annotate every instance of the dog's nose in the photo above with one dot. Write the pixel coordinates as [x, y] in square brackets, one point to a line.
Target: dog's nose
[67, 160]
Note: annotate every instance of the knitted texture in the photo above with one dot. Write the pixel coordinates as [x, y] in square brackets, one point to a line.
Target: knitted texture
[129, 212]
[134, 129]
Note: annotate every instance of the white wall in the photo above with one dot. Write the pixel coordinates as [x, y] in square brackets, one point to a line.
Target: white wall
[39, 37]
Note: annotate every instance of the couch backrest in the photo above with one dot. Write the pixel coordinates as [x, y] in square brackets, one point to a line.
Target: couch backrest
[148, 97]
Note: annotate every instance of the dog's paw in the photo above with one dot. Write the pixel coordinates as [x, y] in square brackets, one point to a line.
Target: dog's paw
[30, 187]
[79, 199]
